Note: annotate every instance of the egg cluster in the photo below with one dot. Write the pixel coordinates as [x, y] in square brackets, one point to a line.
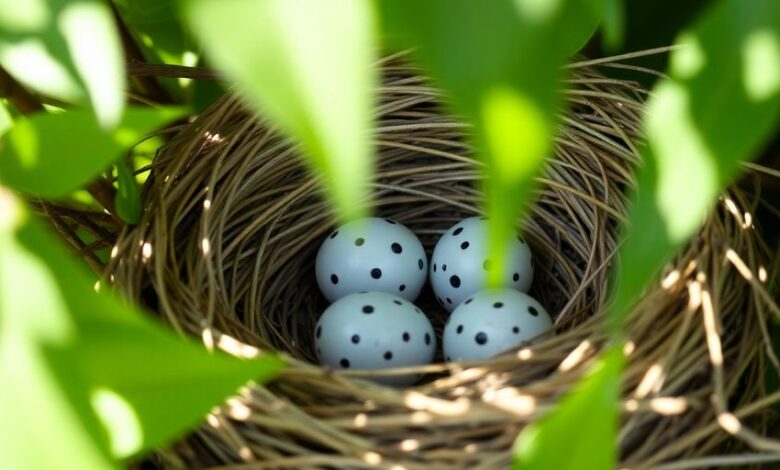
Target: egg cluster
[372, 270]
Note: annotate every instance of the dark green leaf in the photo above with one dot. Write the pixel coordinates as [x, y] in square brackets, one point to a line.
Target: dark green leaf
[308, 65]
[580, 432]
[74, 357]
[718, 107]
[68, 50]
[500, 78]
[614, 23]
[128, 196]
[157, 30]
[50, 155]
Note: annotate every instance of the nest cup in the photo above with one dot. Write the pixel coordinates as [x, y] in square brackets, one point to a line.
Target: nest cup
[225, 252]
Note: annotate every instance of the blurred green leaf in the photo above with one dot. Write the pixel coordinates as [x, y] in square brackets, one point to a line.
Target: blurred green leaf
[501, 79]
[74, 358]
[580, 432]
[68, 50]
[128, 196]
[614, 24]
[52, 155]
[156, 27]
[308, 65]
[718, 106]
[6, 120]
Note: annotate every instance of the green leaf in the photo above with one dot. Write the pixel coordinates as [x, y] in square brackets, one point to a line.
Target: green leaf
[614, 24]
[51, 155]
[6, 119]
[580, 432]
[156, 27]
[308, 65]
[128, 196]
[719, 105]
[75, 359]
[500, 78]
[68, 50]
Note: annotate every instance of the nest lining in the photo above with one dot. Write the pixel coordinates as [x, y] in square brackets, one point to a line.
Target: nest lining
[227, 245]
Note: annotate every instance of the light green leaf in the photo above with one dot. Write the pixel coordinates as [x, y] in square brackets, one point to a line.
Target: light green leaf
[69, 50]
[74, 359]
[128, 196]
[502, 79]
[308, 65]
[51, 155]
[580, 432]
[718, 106]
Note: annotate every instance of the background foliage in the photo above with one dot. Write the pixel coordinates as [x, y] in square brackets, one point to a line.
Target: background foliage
[81, 382]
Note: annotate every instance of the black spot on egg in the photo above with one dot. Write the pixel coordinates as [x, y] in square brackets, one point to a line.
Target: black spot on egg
[333, 235]
[533, 311]
[388, 355]
[455, 281]
[457, 231]
[390, 221]
[468, 301]
[406, 336]
[481, 338]
[464, 245]
[515, 330]
[444, 267]
[334, 279]
[402, 287]
[319, 332]
[449, 300]
[359, 241]
[427, 338]
[459, 330]
[420, 264]
[498, 304]
[397, 302]
[355, 339]
[397, 248]
[376, 273]
[515, 277]
[486, 264]
[368, 309]
[344, 363]
[434, 267]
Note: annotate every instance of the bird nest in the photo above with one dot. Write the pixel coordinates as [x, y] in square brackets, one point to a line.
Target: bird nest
[225, 252]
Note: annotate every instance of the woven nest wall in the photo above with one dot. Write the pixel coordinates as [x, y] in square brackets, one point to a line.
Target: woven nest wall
[225, 252]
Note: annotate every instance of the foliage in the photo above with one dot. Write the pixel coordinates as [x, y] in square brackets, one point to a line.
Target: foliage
[93, 380]
[310, 59]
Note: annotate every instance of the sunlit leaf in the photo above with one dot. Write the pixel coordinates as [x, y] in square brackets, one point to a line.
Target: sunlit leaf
[580, 433]
[308, 65]
[66, 49]
[51, 155]
[718, 106]
[73, 358]
[128, 196]
[502, 79]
